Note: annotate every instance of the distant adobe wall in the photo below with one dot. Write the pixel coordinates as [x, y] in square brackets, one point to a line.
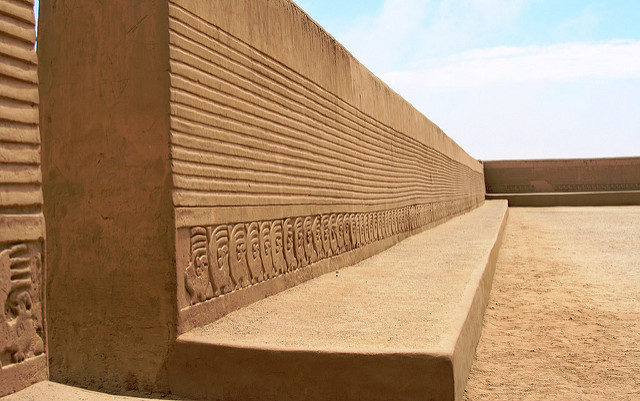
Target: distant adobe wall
[23, 359]
[201, 155]
[278, 134]
[563, 175]
[572, 182]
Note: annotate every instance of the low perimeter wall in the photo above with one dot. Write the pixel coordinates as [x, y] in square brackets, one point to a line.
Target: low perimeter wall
[562, 175]
[201, 155]
[572, 182]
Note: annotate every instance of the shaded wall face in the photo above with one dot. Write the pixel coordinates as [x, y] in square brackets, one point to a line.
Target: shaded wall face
[104, 118]
[570, 175]
[287, 153]
[22, 333]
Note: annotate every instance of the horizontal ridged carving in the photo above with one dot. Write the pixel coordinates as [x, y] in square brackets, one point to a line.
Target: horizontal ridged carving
[248, 131]
[20, 177]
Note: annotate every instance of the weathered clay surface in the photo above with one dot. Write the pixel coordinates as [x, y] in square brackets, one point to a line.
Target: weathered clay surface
[217, 153]
[401, 325]
[260, 137]
[52, 391]
[105, 123]
[22, 335]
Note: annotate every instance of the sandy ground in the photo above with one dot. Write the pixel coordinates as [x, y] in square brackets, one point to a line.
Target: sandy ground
[563, 320]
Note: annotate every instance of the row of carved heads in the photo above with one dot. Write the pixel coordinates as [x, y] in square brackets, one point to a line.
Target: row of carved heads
[226, 258]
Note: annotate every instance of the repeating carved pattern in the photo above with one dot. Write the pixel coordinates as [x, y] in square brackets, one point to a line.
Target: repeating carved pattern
[230, 257]
[21, 331]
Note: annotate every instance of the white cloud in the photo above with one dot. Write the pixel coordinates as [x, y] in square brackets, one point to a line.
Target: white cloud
[574, 99]
[560, 62]
[380, 41]
[404, 31]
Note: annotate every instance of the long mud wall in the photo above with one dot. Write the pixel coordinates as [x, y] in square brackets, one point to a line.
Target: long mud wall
[23, 359]
[289, 158]
[562, 175]
[201, 155]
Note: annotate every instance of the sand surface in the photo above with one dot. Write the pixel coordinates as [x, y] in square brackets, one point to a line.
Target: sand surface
[563, 321]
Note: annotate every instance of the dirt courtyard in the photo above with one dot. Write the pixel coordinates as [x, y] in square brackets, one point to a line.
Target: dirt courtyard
[563, 319]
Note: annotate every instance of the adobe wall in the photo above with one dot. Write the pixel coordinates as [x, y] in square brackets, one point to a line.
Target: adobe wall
[279, 136]
[23, 359]
[199, 156]
[562, 175]
[107, 192]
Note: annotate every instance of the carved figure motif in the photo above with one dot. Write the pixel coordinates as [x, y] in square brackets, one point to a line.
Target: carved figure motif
[265, 250]
[196, 277]
[316, 227]
[364, 228]
[219, 255]
[394, 222]
[238, 257]
[20, 308]
[348, 245]
[374, 226]
[340, 233]
[289, 252]
[326, 243]
[355, 231]
[387, 223]
[333, 234]
[309, 249]
[277, 247]
[299, 242]
[254, 259]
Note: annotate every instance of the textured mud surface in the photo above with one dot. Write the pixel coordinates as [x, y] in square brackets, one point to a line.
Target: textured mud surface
[51, 391]
[563, 321]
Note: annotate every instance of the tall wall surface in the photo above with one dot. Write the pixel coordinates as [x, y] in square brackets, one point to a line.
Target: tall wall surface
[23, 359]
[111, 296]
[278, 134]
[199, 156]
[563, 175]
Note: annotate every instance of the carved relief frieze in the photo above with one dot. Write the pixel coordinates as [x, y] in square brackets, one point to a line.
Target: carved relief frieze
[230, 257]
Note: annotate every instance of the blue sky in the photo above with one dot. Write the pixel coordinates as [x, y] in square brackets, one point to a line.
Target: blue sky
[505, 78]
